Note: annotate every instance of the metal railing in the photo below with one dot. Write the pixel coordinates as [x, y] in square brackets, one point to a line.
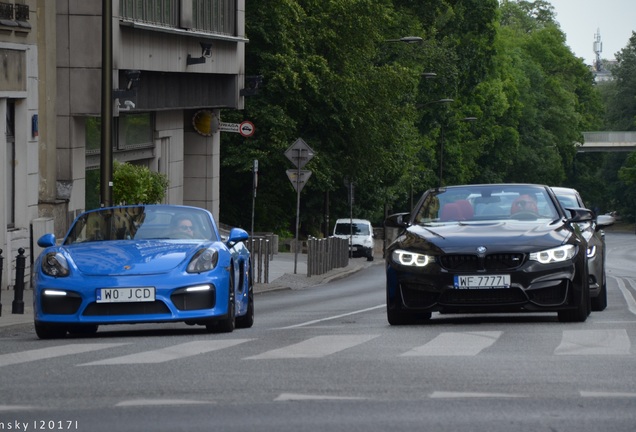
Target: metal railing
[262, 252]
[326, 254]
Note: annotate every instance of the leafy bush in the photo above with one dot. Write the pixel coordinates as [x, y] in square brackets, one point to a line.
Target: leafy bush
[136, 184]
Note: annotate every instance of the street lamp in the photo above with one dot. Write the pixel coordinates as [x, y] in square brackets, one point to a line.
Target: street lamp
[441, 150]
[444, 101]
[407, 39]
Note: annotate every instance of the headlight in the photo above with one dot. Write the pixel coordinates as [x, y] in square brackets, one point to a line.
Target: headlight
[407, 258]
[203, 260]
[591, 251]
[559, 254]
[54, 264]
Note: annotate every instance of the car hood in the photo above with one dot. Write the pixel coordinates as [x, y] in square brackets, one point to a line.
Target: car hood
[117, 258]
[499, 236]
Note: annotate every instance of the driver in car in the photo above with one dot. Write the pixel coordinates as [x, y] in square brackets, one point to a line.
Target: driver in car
[524, 204]
[182, 227]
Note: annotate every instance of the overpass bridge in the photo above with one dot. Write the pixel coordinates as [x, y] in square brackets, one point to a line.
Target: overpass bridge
[607, 142]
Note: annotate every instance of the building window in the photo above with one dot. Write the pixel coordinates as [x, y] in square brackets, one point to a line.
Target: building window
[210, 16]
[135, 131]
[159, 12]
[10, 169]
[215, 16]
[132, 142]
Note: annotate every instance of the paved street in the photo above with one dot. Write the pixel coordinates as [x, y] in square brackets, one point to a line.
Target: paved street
[281, 276]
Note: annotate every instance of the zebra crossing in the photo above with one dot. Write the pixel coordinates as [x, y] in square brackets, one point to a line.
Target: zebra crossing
[585, 342]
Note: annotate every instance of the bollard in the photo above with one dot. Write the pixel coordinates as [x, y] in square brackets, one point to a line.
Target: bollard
[1, 267]
[18, 300]
[268, 246]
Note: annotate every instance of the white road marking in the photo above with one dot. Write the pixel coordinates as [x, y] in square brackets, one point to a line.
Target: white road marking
[155, 402]
[599, 394]
[463, 395]
[284, 397]
[456, 344]
[51, 352]
[629, 298]
[173, 352]
[331, 317]
[319, 346]
[15, 407]
[594, 342]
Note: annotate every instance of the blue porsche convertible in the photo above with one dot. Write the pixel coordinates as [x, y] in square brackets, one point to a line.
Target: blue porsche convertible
[142, 264]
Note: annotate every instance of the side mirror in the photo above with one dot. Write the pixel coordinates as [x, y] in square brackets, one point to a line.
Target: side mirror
[237, 235]
[47, 240]
[604, 221]
[398, 220]
[581, 215]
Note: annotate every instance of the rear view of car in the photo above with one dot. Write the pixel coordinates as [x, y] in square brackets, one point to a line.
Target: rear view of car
[359, 232]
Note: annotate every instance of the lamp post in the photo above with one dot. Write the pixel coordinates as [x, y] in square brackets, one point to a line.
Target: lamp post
[444, 101]
[106, 147]
[406, 39]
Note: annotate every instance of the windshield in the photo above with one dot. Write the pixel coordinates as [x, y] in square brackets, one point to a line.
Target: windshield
[352, 229]
[486, 202]
[141, 223]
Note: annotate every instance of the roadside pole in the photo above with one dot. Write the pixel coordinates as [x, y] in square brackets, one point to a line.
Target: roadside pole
[299, 153]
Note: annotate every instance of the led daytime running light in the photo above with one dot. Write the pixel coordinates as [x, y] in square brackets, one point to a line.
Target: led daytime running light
[559, 254]
[412, 259]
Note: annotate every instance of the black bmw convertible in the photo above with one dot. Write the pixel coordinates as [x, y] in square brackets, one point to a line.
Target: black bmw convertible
[487, 248]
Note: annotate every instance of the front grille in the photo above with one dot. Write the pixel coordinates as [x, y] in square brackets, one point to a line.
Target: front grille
[417, 296]
[184, 300]
[460, 262]
[550, 296]
[469, 262]
[495, 296]
[61, 305]
[140, 308]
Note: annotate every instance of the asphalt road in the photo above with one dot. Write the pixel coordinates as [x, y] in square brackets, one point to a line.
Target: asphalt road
[324, 359]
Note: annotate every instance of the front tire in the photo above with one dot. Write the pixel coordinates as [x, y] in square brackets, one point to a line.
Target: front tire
[599, 303]
[397, 316]
[83, 330]
[227, 324]
[581, 312]
[49, 331]
[247, 320]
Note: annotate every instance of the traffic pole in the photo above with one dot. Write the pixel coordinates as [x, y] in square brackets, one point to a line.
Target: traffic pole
[17, 306]
[1, 267]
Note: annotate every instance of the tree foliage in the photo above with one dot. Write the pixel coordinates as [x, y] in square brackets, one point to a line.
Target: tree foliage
[336, 75]
[136, 184]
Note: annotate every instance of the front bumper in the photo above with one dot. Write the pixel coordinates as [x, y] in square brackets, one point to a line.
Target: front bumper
[534, 287]
[173, 302]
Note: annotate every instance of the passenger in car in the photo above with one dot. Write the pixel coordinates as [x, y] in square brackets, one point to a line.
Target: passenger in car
[524, 204]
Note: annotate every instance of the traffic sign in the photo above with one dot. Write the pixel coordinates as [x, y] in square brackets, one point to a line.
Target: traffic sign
[299, 153]
[229, 127]
[247, 128]
[298, 178]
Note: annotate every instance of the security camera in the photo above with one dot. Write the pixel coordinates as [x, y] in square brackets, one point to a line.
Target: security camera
[129, 104]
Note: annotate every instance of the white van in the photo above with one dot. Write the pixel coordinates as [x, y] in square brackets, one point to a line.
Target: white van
[359, 232]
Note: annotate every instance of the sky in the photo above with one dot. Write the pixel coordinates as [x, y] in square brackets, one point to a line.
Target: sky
[580, 20]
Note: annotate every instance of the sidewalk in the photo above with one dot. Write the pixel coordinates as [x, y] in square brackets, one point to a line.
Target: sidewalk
[281, 276]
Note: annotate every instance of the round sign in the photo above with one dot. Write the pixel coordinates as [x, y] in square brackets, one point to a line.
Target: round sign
[247, 128]
[205, 122]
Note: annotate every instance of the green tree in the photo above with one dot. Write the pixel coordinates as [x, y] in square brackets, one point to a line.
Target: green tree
[328, 78]
[136, 184]
[619, 172]
[621, 112]
[331, 77]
